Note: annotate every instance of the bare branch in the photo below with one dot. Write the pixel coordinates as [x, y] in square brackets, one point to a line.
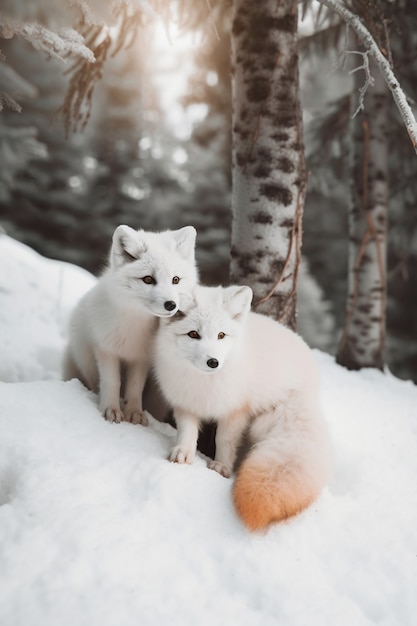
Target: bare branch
[383, 63]
[369, 80]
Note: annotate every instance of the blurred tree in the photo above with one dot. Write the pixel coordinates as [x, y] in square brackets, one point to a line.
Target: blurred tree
[369, 143]
[55, 187]
[48, 186]
[363, 338]
[210, 85]
[85, 33]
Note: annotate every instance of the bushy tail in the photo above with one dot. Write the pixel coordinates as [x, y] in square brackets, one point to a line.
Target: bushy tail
[281, 476]
[263, 495]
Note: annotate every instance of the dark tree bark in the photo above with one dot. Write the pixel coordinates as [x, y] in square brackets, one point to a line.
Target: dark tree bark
[363, 338]
[268, 171]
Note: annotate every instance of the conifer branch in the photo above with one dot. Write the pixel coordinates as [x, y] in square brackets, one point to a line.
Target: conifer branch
[77, 106]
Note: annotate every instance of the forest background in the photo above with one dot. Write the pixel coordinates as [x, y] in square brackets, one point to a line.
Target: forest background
[155, 153]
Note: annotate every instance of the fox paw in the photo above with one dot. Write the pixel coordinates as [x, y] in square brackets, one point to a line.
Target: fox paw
[181, 455]
[136, 416]
[113, 414]
[220, 468]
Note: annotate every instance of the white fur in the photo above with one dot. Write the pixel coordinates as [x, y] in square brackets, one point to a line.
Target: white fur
[114, 324]
[266, 381]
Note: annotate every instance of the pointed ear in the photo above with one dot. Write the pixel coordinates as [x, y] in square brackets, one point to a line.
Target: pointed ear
[237, 300]
[126, 246]
[185, 241]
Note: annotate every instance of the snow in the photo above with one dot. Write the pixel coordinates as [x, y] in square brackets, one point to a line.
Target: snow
[98, 529]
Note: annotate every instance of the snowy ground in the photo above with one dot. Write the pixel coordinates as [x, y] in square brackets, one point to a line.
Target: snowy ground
[98, 529]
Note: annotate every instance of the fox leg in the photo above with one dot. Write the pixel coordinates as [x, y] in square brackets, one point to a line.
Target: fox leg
[109, 376]
[187, 434]
[135, 381]
[228, 435]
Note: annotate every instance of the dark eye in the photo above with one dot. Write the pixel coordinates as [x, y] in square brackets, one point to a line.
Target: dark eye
[221, 336]
[175, 280]
[149, 280]
[194, 334]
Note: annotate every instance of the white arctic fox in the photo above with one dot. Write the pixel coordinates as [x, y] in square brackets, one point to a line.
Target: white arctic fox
[113, 326]
[215, 360]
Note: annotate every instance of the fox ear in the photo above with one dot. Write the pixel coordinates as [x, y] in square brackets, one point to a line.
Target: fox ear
[126, 246]
[185, 241]
[237, 300]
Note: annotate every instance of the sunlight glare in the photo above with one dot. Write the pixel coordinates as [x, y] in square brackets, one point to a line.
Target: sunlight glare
[145, 143]
[134, 192]
[90, 162]
[212, 78]
[174, 64]
[179, 156]
[77, 184]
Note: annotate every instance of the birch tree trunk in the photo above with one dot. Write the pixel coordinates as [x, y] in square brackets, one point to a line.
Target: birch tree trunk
[268, 171]
[363, 338]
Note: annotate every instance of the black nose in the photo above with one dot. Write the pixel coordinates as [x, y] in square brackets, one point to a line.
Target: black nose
[213, 363]
[170, 305]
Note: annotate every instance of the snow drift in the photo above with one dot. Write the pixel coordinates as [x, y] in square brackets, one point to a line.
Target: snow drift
[98, 529]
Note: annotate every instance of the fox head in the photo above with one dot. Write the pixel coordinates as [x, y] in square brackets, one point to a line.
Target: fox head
[208, 328]
[153, 270]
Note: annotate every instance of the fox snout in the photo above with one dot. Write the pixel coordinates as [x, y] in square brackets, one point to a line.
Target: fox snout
[170, 305]
[166, 307]
[209, 364]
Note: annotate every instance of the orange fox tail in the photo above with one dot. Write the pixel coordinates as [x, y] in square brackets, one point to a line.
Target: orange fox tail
[264, 493]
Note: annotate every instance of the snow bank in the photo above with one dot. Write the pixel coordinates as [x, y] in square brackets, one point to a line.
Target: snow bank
[98, 529]
[36, 296]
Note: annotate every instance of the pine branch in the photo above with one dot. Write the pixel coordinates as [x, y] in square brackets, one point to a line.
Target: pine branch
[58, 45]
[77, 106]
[7, 102]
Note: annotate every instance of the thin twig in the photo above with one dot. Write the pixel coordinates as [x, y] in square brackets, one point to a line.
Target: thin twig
[213, 21]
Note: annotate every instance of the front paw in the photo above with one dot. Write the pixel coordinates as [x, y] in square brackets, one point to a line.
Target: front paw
[136, 416]
[220, 468]
[181, 455]
[113, 414]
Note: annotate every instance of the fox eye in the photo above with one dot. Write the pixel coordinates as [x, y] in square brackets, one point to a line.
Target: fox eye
[221, 335]
[194, 334]
[149, 280]
[175, 280]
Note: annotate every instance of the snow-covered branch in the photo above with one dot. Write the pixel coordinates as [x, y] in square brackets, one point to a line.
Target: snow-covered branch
[373, 49]
[56, 44]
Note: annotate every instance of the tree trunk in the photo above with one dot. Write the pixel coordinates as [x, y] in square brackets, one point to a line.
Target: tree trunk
[363, 338]
[268, 171]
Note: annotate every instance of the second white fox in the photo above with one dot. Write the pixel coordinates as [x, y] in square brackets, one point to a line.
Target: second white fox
[113, 326]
